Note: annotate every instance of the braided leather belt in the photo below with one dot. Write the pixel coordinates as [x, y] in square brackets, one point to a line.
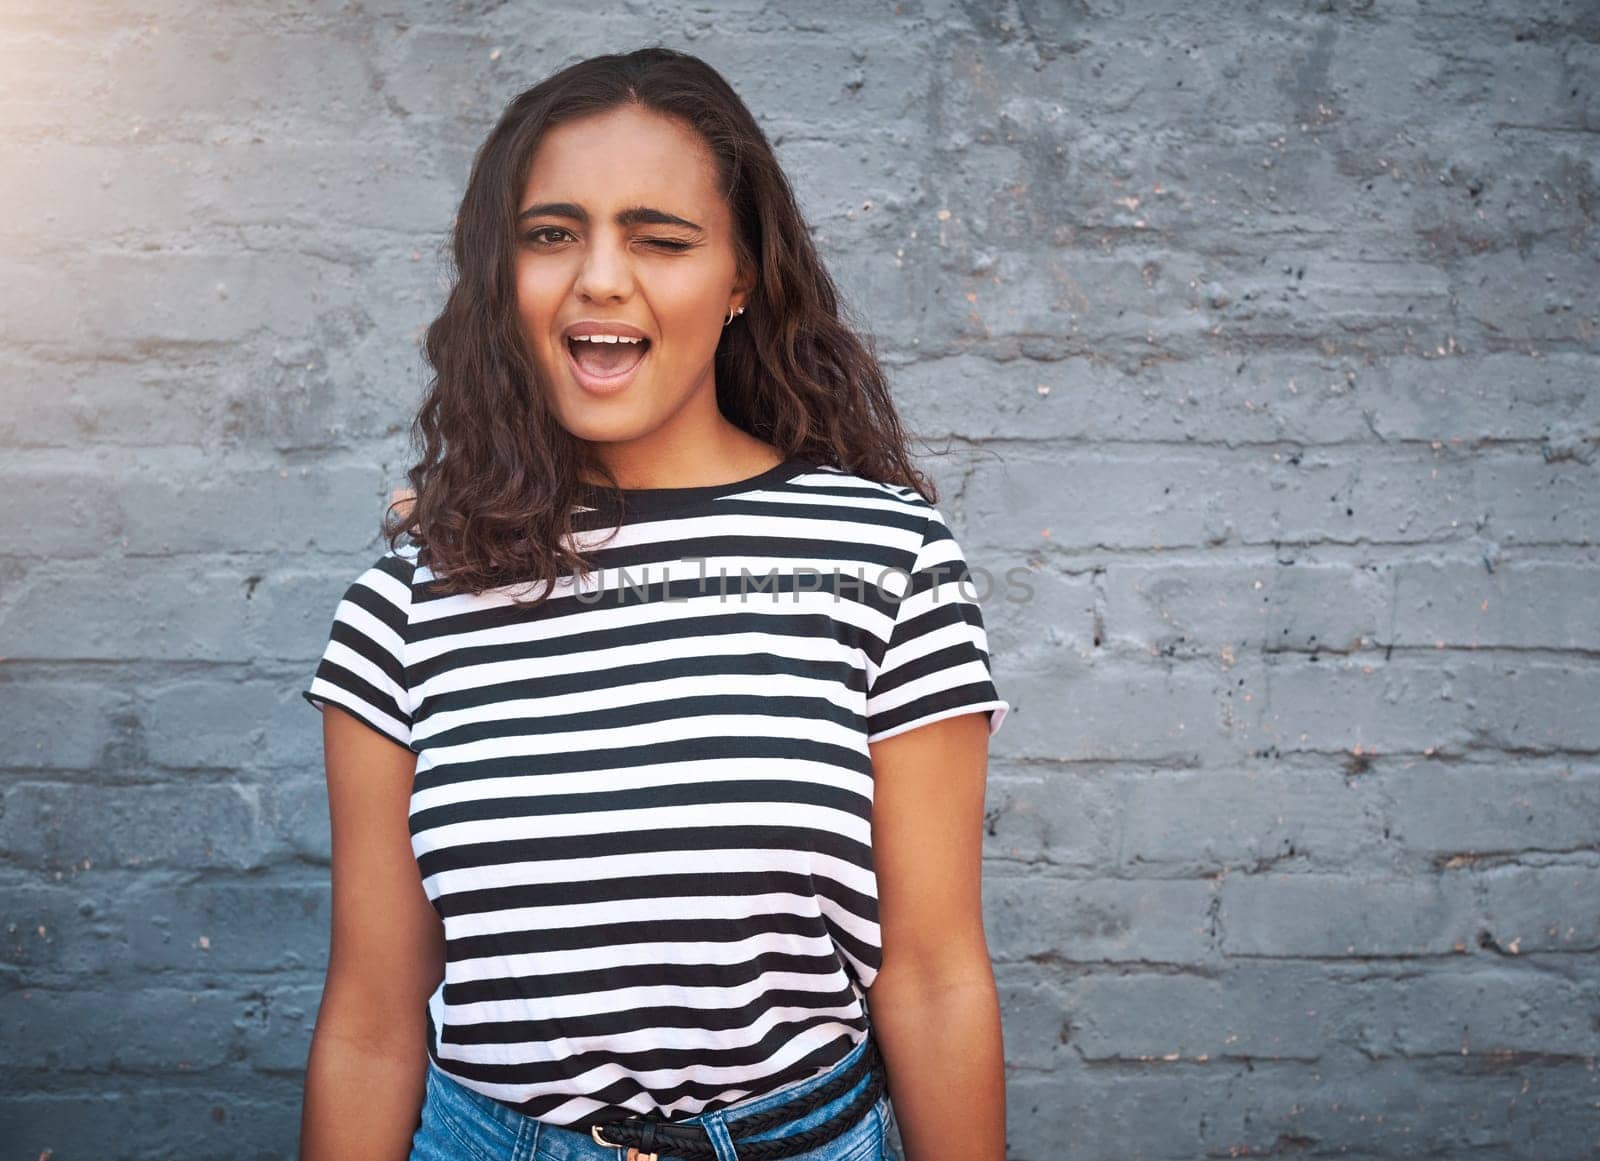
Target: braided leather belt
[646, 1136]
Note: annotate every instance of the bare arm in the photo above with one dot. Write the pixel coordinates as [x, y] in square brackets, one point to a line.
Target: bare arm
[933, 1002]
[368, 1062]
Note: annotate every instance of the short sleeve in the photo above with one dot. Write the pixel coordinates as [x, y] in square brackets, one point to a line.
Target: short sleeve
[363, 667]
[936, 664]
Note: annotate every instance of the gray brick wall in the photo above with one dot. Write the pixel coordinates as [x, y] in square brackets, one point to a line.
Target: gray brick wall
[1265, 341]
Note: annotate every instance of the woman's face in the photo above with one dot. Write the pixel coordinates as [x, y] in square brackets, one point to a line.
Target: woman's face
[621, 222]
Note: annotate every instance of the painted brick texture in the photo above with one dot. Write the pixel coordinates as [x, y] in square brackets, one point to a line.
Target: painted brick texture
[1264, 340]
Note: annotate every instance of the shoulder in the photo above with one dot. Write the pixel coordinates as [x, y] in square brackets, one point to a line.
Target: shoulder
[891, 506]
[386, 584]
[826, 476]
[397, 565]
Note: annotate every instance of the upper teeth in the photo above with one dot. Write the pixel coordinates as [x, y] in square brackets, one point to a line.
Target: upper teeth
[605, 339]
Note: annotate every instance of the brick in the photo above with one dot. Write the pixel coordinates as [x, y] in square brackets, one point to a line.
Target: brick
[1256, 1011]
[1266, 603]
[65, 725]
[112, 924]
[1481, 602]
[1540, 908]
[1102, 711]
[1066, 817]
[1034, 1017]
[1200, 821]
[198, 507]
[210, 826]
[274, 1027]
[1503, 808]
[1069, 921]
[188, 609]
[201, 1116]
[1484, 1011]
[230, 181]
[1161, 499]
[1255, 396]
[55, 510]
[66, 1032]
[296, 808]
[1365, 705]
[1339, 916]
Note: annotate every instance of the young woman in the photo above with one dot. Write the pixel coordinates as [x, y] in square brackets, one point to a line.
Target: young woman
[657, 779]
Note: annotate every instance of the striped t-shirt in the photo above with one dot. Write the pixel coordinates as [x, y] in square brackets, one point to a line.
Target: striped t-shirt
[644, 811]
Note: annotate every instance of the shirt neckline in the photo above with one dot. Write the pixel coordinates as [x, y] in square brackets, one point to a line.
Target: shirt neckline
[658, 500]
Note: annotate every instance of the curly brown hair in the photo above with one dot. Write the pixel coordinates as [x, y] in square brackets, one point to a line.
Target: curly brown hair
[493, 493]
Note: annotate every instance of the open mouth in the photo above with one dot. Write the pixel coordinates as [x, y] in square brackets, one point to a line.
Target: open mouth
[604, 360]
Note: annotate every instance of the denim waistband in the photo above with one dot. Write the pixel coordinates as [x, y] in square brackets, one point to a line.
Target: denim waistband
[505, 1132]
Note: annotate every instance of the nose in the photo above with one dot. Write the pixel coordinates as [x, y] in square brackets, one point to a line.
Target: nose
[605, 271]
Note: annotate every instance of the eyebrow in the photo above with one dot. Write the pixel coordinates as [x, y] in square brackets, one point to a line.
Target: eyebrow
[632, 216]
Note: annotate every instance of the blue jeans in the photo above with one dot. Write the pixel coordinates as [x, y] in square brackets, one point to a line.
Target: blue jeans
[459, 1124]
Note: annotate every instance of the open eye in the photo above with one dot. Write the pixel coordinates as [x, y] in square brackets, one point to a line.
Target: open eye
[534, 235]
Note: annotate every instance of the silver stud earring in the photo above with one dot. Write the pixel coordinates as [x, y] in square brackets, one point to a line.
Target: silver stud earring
[731, 313]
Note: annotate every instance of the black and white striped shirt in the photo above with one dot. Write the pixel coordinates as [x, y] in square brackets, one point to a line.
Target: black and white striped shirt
[644, 812]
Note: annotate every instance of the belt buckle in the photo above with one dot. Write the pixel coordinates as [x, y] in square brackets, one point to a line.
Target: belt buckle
[633, 1150]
